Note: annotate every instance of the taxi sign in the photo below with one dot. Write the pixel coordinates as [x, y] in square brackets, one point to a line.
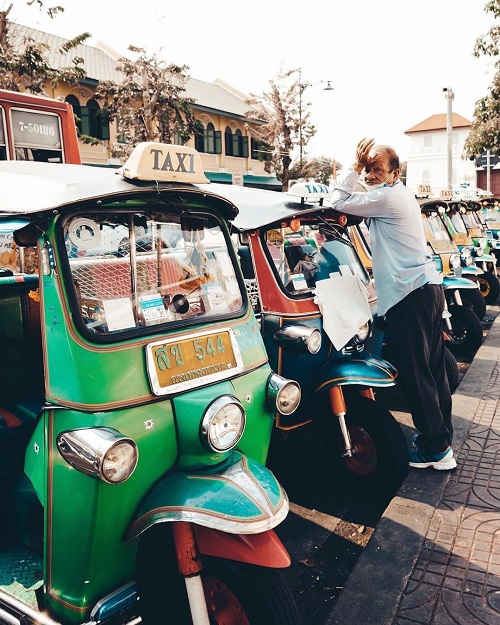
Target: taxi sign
[163, 162]
[309, 190]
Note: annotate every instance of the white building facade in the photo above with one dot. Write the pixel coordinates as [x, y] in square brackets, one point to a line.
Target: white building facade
[427, 162]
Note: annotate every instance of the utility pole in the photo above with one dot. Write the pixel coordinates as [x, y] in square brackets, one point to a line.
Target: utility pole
[449, 95]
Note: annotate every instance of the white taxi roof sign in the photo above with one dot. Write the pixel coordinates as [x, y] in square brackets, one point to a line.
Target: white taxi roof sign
[163, 162]
[309, 190]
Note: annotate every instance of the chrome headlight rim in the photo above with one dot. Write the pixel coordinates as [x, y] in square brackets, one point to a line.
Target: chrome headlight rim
[212, 428]
[282, 394]
[299, 337]
[455, 262]
[362, 333]
[99, 453]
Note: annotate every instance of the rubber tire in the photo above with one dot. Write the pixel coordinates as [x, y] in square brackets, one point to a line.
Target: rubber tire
[474, 299]
[452, 371]
[262, 592]
[368, 422]
[466, 335]
[489, 286]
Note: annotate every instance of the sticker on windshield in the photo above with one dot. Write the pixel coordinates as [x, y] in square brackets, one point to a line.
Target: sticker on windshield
[274, 237]
[84, 233]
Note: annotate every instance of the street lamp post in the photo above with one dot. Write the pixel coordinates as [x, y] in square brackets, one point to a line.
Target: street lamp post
[449, 95]
[302, 87]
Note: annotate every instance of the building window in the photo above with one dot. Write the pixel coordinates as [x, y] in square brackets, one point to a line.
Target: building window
[427, 141]
[235, 144]
[94, 122]
[426, 177]
[77, 111]
[208, 142]
[260, 151]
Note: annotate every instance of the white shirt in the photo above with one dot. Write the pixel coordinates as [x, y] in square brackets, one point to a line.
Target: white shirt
[400, 257]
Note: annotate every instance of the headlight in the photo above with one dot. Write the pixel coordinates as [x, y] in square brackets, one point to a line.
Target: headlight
[283, 395]
[455, 261]
[299, 337]
[362, 334]
[483, 243]
[223, 424]
[469, 261]
[99, 452]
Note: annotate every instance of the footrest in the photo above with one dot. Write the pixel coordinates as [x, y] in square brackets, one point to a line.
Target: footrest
[21, 573]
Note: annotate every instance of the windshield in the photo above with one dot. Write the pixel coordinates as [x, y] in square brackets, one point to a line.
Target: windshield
[133, 271]
[304, 256]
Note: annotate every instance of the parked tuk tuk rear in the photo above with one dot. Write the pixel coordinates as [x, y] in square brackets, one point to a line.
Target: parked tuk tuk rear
[137, 404]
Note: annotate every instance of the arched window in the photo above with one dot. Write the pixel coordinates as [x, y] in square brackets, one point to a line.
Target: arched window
[77, 111]
[236, 144]
[210, 141]
[94, 122]
[228, 141]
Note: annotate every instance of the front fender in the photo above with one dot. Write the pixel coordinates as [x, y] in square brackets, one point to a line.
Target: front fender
[363, 369]
[238, 496]
[458, 283]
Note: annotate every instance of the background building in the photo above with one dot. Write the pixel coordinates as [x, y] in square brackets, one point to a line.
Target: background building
[427, 163]
[229, 154]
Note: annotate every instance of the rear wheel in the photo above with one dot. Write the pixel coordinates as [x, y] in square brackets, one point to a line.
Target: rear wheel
[380, 459]
[489, 286]
[466, 333]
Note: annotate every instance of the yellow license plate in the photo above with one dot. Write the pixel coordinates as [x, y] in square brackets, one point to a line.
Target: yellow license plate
[442, 246]
[175, 365]
[461, 238]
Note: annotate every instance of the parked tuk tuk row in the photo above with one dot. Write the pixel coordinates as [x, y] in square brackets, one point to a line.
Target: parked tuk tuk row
[161, 338]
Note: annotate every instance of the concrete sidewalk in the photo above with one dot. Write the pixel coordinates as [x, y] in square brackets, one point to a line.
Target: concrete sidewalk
[434, 558]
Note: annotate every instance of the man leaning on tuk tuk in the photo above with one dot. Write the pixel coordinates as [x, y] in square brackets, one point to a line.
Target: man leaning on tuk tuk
[410, 295]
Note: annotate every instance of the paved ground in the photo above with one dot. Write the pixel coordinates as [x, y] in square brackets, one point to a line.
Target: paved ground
[434, 557]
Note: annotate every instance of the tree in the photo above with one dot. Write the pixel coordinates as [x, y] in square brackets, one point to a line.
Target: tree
[148, 104]
[286, 121]
[320, 169]
[24, 65]
[485, 130]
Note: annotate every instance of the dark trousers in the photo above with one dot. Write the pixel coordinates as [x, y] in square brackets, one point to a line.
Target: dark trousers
[416, 344]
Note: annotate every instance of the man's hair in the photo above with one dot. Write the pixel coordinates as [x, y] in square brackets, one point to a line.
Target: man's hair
[391, 154]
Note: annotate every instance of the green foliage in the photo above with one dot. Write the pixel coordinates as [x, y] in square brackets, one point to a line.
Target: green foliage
[24, 65]
[485, 130]
[320, 169]
[148, 104]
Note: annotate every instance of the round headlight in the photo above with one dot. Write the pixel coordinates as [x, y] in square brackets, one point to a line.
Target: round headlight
[483, 243]
[223, 424]
[282, 394]
[465, 252]
[314, 341]
[119, 461]
[103, 453]
[469, 261]
[455, 261]
[363, 333]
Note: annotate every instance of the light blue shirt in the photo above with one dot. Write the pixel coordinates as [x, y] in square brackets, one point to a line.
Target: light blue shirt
[400, 257]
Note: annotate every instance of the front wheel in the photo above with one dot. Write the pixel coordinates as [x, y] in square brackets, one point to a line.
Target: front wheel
[236, 593]
[474, 300]
[466, 333]
[452, 370]
[244, 594]
[489, 286]
[380, 459]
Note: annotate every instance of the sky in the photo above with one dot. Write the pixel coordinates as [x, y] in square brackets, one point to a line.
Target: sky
[388, 62]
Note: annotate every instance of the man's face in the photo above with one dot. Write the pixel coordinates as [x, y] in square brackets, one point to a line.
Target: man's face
[378, 170]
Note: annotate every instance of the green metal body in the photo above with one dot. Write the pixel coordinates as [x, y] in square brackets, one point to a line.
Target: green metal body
[91, 529]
